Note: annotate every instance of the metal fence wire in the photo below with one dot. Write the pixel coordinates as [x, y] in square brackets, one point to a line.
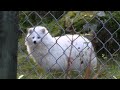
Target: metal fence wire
[69, 45]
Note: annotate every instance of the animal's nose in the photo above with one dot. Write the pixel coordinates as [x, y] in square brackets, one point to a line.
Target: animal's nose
[34, 42]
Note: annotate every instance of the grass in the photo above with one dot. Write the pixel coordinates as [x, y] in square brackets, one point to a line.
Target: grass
[28, 69]
[111, 68]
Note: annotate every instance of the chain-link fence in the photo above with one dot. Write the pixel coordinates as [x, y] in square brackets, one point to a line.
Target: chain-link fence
[69, 44]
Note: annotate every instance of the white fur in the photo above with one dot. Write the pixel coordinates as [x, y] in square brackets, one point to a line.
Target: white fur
[53, 52]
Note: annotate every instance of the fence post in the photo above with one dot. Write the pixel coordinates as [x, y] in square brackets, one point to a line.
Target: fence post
[8, 44]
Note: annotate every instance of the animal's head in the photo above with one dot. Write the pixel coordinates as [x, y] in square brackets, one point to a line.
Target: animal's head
[36, 34]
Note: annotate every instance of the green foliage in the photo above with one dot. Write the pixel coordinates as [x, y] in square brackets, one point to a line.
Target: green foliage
[28, 69]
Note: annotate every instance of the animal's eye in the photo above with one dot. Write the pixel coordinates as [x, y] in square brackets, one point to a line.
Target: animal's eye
[33, 37]
[38, 37]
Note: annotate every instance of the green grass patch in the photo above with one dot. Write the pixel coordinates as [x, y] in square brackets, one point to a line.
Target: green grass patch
[28, 69]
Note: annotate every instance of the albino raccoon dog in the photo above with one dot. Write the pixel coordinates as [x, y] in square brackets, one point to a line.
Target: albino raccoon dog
[57, 53]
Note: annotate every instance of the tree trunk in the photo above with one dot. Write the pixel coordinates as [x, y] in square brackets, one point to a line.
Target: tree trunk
[8, 44]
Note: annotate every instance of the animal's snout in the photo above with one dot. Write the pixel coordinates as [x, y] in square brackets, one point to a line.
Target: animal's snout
[34, 42]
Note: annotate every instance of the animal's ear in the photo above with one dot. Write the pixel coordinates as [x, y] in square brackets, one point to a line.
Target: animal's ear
[29, 30]
[43, 30]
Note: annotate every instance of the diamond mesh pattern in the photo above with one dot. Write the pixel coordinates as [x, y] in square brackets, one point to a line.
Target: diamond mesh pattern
[102, 31]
